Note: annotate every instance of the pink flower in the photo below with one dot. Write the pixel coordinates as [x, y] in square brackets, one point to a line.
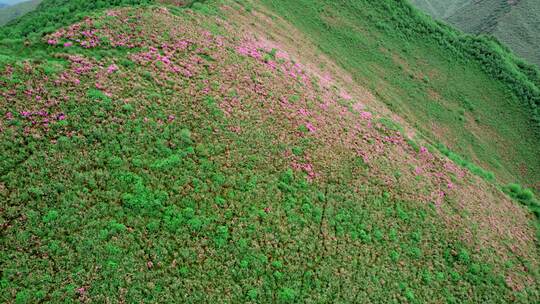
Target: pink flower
[450, 185]
[25, 114]
[52, 41]
[310, 127]
[68, 44]
[366, 115]
[9, 116]
[345, 95]
[61, 116]
[171, 117]
[303, 112]
[423, 149]
[112, 68]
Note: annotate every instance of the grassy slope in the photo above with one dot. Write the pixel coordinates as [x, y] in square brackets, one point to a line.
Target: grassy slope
[449, 100]
[12, 12]
[181, 158]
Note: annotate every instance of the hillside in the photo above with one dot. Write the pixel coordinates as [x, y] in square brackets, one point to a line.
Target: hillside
[9, 13]
[515, 23]
[441, 9]
[263, 152]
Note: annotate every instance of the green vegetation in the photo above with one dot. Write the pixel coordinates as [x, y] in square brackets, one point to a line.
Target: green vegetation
[465, 163]
[155, 153]
[527, 198]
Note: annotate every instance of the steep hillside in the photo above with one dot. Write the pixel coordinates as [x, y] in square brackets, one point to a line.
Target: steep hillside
[9, 13]
[437, 79]
[258, 152]
[515, 23]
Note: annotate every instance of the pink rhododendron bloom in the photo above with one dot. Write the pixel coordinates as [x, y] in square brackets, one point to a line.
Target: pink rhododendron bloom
[61, 116]
[310, 127]
[112, 68]
[68, 44]
[171, 117]
[366, 115]
[345, 95]
[25, 114]
[450, 185]
[303, 112]
[52, 41]
[423, 149]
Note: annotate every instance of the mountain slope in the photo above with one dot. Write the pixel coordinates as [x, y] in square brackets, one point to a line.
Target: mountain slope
[9, 13]
[454, 101]
[441, 9]
[515, 23]
[165, 154]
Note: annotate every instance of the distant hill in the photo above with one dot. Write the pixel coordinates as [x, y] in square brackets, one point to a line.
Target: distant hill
[515, 23]
[442, 8]
[8, 13]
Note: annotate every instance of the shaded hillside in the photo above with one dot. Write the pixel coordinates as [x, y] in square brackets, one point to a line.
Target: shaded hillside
[9, 13]
[157, 153]
[515, 23]
[440, 8]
